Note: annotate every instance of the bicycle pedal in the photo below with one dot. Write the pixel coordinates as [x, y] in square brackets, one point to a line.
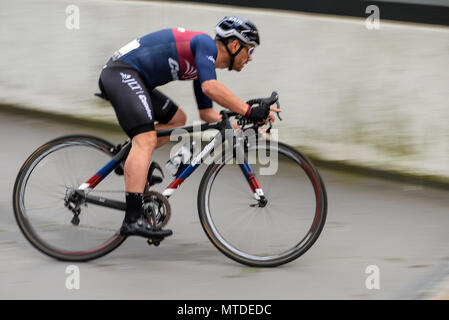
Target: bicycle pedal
[155, 242]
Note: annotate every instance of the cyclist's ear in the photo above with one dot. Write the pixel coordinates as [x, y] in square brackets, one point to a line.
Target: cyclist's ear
[234, 45]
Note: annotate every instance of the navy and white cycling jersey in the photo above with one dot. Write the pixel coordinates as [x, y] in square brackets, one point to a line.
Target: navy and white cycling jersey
[173, 54]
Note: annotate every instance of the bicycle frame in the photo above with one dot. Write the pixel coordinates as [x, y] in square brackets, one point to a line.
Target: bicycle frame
[219, 139]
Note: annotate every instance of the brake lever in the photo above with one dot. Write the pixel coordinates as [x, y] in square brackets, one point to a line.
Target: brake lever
[278, 105]
[275, 98]
[269, 128]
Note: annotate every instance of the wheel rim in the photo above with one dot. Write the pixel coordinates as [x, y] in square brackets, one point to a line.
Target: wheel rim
[44, 218]
[301, 234]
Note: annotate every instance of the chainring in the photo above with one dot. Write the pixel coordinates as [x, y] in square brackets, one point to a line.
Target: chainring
[157, 208]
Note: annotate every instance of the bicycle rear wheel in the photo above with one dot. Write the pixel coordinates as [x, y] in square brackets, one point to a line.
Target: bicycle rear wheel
[277, 233]
[40, 190]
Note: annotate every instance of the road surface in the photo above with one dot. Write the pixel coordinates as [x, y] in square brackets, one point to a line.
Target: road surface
[400, 229]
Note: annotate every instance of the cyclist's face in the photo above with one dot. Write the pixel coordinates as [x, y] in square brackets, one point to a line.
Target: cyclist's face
[244, 56]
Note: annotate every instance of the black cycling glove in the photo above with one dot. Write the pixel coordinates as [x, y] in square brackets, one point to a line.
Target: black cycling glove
[259, 113]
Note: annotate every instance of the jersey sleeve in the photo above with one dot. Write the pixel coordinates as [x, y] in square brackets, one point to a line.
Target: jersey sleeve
[202, 101]
[205, 51]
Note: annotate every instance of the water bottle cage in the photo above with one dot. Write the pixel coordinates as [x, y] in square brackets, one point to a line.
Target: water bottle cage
[178, 162]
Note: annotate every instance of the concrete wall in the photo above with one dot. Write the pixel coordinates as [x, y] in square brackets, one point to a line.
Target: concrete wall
[371, 97]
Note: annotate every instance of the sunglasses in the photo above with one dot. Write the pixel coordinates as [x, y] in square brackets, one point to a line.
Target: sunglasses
[251, 51]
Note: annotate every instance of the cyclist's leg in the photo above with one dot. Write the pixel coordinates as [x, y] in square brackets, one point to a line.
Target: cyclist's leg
[209, 115]
[138, 161]
[178, 120]
[131, 100]
[167, 113]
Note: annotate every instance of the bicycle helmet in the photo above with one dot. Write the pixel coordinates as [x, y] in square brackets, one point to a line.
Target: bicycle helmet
[242, 29]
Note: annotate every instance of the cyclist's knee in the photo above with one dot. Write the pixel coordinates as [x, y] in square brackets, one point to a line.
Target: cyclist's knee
[146, 140]
[179, 119]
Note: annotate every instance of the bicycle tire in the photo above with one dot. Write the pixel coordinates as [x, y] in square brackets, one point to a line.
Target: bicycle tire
[19, 191]
[260, 261]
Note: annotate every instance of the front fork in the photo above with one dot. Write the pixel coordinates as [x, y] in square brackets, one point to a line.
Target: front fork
[248, 172]
[241, 145]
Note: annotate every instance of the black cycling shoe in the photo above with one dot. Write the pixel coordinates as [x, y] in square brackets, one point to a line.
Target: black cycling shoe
[142, 228]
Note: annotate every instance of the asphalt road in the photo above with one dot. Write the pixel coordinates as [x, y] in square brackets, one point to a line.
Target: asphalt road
[400, 228]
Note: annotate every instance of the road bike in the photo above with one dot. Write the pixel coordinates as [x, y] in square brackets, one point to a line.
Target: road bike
[68, 196]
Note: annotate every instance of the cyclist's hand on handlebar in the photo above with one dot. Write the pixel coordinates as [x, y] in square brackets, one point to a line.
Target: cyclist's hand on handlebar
[271, 115]
[261, 113]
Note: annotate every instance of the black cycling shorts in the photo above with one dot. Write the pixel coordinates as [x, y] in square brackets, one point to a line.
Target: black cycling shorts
[136, 107]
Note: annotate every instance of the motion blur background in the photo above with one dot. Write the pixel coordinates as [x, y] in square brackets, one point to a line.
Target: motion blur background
[351, 93]
[362, 84]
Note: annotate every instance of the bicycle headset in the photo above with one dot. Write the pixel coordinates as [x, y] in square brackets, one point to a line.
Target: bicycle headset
[235, 27]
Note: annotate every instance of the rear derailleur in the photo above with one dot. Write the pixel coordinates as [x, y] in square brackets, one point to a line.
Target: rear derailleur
[73, 200]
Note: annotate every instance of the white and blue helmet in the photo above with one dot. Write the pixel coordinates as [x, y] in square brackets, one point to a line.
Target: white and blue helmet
[241, 28]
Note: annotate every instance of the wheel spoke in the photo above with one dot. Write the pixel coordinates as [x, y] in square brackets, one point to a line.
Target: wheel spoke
[46, 182]
[269, 235]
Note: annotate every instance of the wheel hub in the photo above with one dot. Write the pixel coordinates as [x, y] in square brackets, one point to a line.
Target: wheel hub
[261, 203]
[73, 201]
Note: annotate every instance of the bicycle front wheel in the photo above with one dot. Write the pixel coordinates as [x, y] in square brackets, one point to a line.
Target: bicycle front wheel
[41, 188]
[274, 234]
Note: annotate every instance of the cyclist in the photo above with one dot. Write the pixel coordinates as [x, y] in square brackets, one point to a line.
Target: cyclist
[129, 81]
